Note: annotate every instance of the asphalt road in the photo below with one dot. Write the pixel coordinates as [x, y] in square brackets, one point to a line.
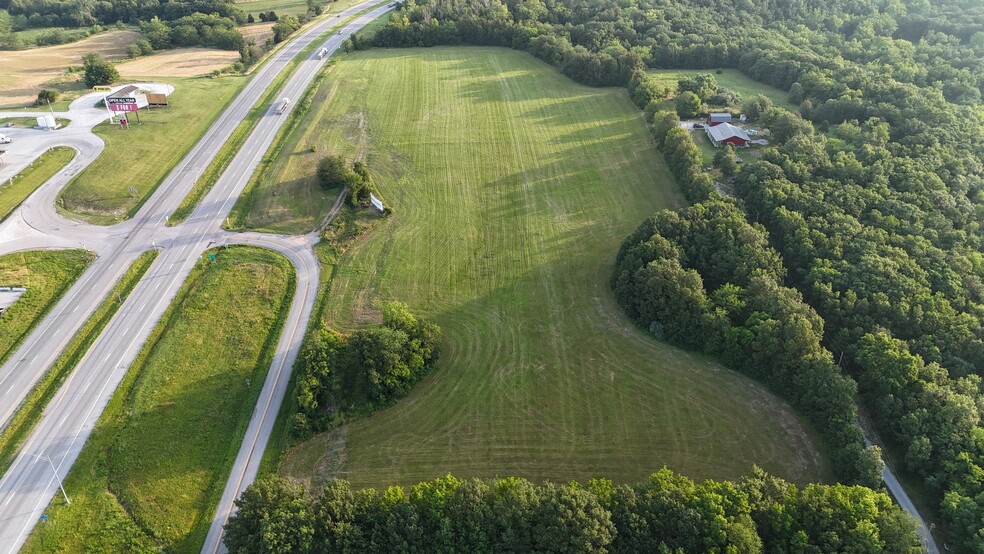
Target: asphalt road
[30, 483]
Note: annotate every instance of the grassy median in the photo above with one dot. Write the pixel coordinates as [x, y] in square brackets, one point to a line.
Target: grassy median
[47, 275]
[12, 194]
[154, 468]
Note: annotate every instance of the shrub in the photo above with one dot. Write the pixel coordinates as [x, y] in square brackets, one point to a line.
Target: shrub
[46, 96]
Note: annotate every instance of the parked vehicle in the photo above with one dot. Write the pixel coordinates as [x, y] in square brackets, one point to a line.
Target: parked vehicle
[698, 125]
[4, 139]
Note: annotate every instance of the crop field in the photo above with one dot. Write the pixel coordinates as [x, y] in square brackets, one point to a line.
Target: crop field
[47, 275]
[181, 62]
[144, 154]
[512, 188]
[152, 471]
[728, 78]
[26, 71]
[32, 177]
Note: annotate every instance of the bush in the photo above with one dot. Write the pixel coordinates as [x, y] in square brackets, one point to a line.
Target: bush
[334, 172]
[98, 71]
[46, 96]
[133, 51]
[688, 105]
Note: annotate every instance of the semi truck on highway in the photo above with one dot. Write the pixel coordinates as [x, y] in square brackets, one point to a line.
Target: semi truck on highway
[282, 107]
[322, 53]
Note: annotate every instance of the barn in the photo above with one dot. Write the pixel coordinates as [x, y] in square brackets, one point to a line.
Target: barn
[727, 133]
[716, 119]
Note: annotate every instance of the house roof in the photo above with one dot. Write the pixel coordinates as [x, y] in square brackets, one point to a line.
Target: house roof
[719, 117]
[725, 131]
[124, 92]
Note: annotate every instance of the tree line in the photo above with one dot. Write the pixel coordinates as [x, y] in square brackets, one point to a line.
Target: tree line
[667, 513]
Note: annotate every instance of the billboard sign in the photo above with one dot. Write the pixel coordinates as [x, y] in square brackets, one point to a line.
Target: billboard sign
[376, 202]
[122, 104]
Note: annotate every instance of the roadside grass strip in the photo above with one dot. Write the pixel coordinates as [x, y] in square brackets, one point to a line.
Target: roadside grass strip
[143, 155]
[153, 469]
[13, 193]
[512, 188]
[47, 275]
[28, 415]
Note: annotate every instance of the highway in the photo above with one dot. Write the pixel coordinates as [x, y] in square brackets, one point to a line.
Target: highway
[29, 484]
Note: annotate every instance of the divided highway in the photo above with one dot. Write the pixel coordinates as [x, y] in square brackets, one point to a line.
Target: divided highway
[29, 484]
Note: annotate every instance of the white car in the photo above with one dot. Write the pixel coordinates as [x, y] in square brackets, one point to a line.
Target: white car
[4, 139]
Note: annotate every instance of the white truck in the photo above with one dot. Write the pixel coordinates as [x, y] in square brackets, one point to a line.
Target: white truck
[322, 53]
[282, 107]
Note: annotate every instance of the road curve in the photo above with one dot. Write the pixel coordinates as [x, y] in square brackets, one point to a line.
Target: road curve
[29, 484]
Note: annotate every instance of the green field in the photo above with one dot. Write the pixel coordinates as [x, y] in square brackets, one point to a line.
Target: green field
[142, 156]
[32, 177]
[153, 469]
[728, 78]
[512, 187]
[47, 275]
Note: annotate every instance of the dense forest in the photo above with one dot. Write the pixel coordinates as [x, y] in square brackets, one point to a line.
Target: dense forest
[667, 513]
[852, 250]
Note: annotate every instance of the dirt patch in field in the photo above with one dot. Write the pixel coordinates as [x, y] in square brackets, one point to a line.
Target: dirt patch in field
[183, 62]
[259, 32]
[26, 71]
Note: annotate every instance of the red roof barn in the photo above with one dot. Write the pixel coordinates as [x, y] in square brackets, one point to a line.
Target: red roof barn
[715, 119]
[726, 133]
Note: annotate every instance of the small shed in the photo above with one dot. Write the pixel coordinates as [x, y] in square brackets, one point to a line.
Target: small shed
[716, 119]
[726, 133]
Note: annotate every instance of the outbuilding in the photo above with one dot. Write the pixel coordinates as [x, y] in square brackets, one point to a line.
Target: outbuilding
[716, 119]
[726, 133]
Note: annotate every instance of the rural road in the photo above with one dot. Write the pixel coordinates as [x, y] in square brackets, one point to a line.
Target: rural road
[29, 484]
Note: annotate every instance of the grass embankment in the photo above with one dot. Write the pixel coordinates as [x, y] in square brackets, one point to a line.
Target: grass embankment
[32, 177]
[27, 416]
[282, 7]
[143, 156]
[512, 188]
[30, 122]
[47, 275]
[154, 468]
[728, 78]
[231, 147]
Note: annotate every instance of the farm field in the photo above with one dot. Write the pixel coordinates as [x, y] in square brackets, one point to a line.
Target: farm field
[26, 71]
[282, 7]
[153, 469]
[728, 78]
[512, 188]
[181, 62]
[47, 275]
[143, 155]
[32, 177]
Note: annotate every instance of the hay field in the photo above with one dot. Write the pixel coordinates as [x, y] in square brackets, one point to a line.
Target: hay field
[183, 62]
[512, 189]
[24, 72]
[259, 32]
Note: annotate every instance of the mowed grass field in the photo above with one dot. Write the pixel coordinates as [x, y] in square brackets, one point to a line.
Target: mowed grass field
[728, 78]
[32, 177]
[282, 7]
[47, 275]
[152, 471]
[142, 156]
[512, 188]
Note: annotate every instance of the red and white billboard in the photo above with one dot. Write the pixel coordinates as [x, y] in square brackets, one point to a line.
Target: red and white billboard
[127, 104]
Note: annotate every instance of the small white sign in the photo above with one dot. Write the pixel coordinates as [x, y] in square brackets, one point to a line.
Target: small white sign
[376, 202]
